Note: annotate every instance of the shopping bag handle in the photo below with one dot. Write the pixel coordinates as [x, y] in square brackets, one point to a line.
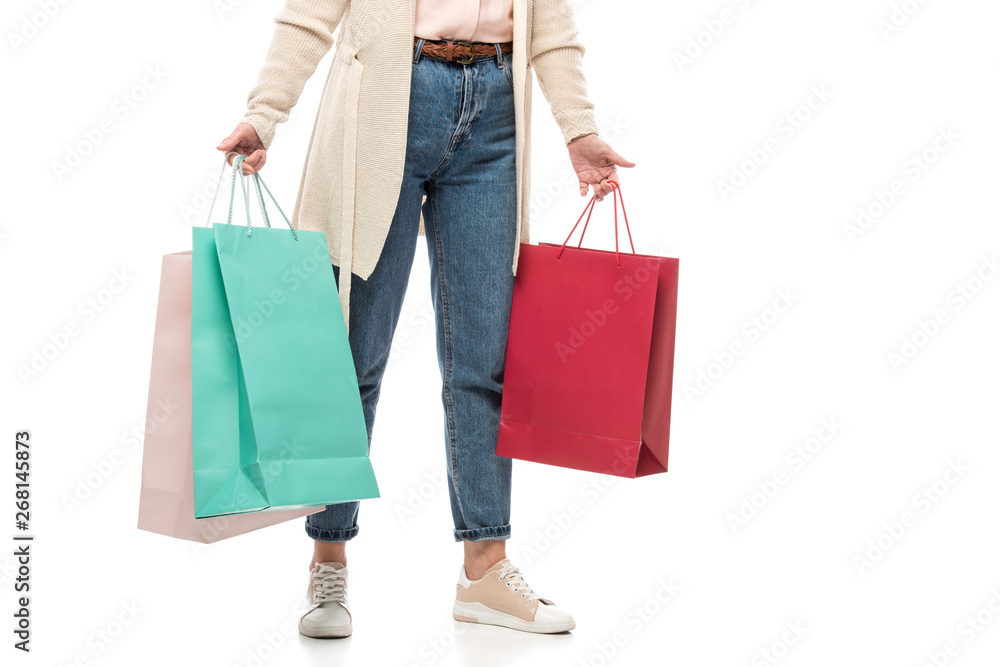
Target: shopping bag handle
[588, 209]
[218, 186]
[257, 182]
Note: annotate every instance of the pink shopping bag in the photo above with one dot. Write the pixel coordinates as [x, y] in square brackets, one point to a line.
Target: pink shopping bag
[166, 496]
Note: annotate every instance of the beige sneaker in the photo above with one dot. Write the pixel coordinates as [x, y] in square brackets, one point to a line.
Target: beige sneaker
[502, 597]
[328, 615]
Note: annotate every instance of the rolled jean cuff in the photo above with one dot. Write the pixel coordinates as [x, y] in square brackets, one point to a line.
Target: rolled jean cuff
[327, 535]
[487, 533]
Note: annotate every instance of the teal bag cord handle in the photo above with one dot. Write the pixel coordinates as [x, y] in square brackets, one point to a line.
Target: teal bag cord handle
[258, 182]
[260, 199]
[238, 169]
[232, 192]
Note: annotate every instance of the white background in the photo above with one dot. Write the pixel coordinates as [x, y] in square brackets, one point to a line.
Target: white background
[796, 560]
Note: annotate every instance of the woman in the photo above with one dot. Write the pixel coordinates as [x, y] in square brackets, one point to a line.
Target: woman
[423, 129]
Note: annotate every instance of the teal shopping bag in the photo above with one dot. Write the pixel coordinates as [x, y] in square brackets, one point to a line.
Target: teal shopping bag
[276, 411]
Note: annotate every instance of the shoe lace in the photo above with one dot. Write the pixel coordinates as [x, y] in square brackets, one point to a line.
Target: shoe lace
[329, 585]
[517, 582]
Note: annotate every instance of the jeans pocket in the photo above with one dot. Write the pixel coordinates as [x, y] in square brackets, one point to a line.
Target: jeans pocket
[508, 69]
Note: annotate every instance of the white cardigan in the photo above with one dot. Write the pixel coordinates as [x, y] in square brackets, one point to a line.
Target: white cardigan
[364, 111]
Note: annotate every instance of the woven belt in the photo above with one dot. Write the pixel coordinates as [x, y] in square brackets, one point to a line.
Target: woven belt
[461, 52]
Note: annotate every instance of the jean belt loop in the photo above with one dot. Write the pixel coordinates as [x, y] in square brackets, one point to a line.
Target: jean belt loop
[499, 55]
[418, 49]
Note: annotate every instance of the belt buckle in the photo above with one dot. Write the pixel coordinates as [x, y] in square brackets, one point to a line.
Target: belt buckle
[472, 53]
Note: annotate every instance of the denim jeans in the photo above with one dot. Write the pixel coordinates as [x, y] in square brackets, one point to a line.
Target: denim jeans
[460, 153]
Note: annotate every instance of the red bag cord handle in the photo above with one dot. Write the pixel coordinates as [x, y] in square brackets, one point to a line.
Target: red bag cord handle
[588, 210]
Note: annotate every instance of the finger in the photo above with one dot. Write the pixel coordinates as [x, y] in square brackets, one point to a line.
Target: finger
[600, 192]
[232, 160]
[230, 142]
[259, 157]
[252, 163]
[619, 160]
[238, 150]
[583, 189]
[603, 188]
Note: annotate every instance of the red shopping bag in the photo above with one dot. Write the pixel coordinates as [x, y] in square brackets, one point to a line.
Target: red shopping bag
[590, 354]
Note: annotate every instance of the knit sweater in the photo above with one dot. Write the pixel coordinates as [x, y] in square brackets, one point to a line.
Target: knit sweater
[354, 166]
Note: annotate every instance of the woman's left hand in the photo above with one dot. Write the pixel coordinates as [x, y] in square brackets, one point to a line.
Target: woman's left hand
[595, 162]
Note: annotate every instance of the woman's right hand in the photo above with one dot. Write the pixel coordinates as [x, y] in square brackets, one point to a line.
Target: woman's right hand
[244, 141]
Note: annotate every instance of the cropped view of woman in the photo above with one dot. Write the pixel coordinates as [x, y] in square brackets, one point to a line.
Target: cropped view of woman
[424, 129]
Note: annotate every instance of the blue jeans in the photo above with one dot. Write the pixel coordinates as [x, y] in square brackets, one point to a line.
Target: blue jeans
[460, 153]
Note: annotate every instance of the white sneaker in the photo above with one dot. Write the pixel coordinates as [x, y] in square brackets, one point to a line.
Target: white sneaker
[328, 615]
